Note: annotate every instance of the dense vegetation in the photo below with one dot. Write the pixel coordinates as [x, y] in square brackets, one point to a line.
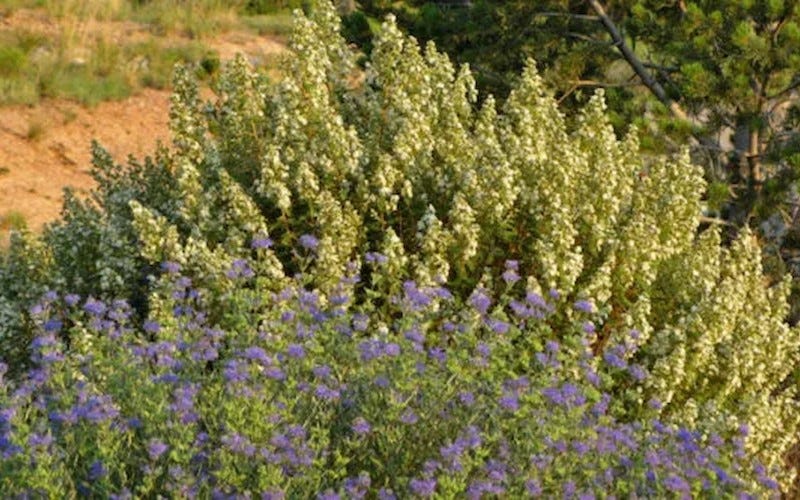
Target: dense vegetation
[350, 254]
[718, 76]
[295, 397]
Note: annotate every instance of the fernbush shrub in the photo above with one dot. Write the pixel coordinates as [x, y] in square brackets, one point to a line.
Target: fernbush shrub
[304, 399]
[402, 164]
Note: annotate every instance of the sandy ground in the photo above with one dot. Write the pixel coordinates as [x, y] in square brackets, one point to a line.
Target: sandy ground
[45, 147]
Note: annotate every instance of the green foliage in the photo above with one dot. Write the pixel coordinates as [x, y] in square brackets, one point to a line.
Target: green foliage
[12, 221]
[278, 24]
[327, 393]
[730, 66]
[12, 61]
[356, 29]
[273, 6]
[408, 164]
[80, 61]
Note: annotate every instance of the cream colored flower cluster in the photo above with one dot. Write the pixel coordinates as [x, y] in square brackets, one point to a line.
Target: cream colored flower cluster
[404, 160]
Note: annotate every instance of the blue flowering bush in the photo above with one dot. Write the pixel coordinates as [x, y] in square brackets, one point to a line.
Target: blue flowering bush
[300, 398]
[400, 175]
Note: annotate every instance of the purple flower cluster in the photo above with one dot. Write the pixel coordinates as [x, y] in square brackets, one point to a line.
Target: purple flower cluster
[240, 269]
[413, 409]
[308, 241]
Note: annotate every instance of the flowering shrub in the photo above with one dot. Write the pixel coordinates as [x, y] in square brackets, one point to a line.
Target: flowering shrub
[302, 399]
[399, 174]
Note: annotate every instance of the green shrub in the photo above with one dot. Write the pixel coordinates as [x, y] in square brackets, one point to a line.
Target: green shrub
[12, 61]
[12, 220]
[273, 6]
[356, 29]
[279, 24]
[327, 398]
[406, 164]
[156, 61]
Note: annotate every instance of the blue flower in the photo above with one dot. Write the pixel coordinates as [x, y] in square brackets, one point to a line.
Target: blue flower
[510, 276]
[235, 371]
[94, 307]
[295, 351]
[614, 359]
[156, 448]
[361, 426]
[417, 298]
[171, 267]
[376, 258]
[423, 487]
[533, 487]
[255, 353]
[391, 349]
[409, 417]
[260, 241]
[382, 381]
[569, 489]
[509, 402]
[53, 325]
[328, 495]
[324, 392]
[239, 444]
[480, 301]
[676, 484]
[40, 440]
[322, 371]
[414, 335]
[274, 373]
[357, 487]
[386, 494]
[97, 470]
[151, 327]
[637, 372]
[308, 242]
[584, 306]
[438, 354]
[497, 326]
[240, 269]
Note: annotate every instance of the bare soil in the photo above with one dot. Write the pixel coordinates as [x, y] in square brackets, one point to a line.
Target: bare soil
[46, 147]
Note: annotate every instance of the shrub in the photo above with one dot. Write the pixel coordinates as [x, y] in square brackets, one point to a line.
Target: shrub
[356, 29]
[304, 399]
[12, 61]
[403, 163]
[273, 6]
[12, 220]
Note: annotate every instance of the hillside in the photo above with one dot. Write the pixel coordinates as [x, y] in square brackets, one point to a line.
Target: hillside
[44, 144]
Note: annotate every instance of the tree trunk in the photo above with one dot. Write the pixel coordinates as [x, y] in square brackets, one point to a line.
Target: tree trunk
[754, 160]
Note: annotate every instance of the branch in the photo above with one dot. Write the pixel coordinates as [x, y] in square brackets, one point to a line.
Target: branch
[789, 88]
[583, 17]
[713, 220]
[597, 83]
[636, 64]
[586, 38]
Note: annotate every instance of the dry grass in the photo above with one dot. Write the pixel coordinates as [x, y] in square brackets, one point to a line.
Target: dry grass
[91, 51]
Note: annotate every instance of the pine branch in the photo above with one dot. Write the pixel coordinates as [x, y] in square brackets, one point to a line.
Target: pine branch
[637, 65]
